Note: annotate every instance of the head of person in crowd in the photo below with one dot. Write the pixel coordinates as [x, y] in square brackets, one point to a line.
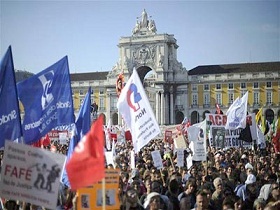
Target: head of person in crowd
[238, 203]
[11, 205]
[131, 200]
[259, 204]
[152, 201]
[173, 187]
[249, 168]
[190, 187]
[202, 200]
[136, 185]
[157, 186]
[155, 175]
[274, 192]
[218, 184]
[228, 203]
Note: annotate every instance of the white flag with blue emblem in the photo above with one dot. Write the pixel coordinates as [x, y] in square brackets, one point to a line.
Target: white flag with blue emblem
[137, 113]
[237, 113]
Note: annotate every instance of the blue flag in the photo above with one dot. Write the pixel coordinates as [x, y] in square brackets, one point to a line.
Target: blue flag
[10, 123]
[47, 101]
[82, 125]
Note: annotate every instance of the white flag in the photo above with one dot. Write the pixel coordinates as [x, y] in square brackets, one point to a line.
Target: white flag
[237, 112]
[137, 113]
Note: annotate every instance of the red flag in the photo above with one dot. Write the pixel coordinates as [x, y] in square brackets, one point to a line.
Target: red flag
[86, 165]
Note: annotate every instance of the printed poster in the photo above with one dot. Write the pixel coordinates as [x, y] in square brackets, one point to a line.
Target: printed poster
[92, 197]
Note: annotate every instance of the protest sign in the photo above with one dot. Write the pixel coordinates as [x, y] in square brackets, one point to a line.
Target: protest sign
[91, 197]
[30, 174]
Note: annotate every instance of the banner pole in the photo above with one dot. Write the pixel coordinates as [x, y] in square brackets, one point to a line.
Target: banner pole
[103, 195]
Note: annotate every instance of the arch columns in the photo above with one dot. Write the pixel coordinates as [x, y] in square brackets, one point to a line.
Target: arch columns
[171, 108]
[162, 106]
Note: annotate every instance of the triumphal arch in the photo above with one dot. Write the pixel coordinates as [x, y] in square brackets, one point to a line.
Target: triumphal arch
[154, 56]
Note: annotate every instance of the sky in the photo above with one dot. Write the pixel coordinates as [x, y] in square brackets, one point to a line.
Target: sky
[208, 32]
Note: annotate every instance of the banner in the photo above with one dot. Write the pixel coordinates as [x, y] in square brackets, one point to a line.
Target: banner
[222, 138]
[136, 110]
[10, 122]
[31, 174]
[47, 101]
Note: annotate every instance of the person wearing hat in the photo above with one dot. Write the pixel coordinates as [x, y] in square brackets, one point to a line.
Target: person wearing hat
[152, 201]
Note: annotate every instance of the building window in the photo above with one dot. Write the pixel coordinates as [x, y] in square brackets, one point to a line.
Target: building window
[179, 100]
[256, 98]
[194, 99]
[269, 97]
[218, 86]
[81, 83]
[268, 85]
[114, 103]
[194, 87]
[230, 86]
[219, 98]
[255, 85]
[230, 98]
[206, 87]
[101, 103]
[206, 99]
[101, 92]
[81, 92]
[243, 85]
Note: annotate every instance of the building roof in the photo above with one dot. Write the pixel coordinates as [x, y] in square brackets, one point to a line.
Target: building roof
[235, 68]
[89, 76]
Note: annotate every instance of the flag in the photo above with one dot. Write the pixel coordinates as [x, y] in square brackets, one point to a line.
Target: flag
[120, 83]
[259, 115]
[218, 109]
[87, 163]
[137, 113]
[245, 134]
[260, 139]
[47, 101]
[276, 137]
[237, 113]
[82, 126]
[10, 122]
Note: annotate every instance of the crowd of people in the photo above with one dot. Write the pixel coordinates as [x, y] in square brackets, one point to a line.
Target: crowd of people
[236, 178]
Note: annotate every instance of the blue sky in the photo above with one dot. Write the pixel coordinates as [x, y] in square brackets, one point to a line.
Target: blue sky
[207, 32]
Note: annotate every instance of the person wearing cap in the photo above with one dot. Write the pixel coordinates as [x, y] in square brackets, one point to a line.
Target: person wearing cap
[152, 201]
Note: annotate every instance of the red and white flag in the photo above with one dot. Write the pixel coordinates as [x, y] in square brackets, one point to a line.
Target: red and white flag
[87, 163]
[218, 109]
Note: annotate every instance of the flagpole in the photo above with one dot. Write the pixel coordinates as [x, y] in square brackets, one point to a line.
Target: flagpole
[103, 195]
